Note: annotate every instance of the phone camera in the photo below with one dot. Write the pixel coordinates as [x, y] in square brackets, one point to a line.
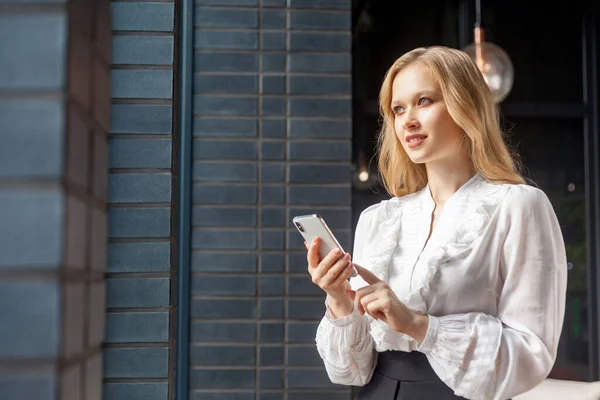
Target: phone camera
[299, 226]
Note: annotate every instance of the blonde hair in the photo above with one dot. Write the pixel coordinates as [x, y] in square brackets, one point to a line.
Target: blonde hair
[471, 106]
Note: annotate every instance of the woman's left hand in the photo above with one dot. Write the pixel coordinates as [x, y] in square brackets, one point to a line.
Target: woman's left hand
[380, 301]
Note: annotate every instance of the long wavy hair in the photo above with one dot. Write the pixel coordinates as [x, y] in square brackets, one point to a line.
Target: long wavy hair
[470, 104]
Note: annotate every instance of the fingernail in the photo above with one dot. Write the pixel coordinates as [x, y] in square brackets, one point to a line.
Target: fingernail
[315, 240]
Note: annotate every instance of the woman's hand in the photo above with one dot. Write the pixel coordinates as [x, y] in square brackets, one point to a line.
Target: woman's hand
[332, 272]
[380, 301]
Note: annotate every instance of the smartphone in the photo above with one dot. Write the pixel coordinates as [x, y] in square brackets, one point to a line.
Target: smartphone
[313, 225]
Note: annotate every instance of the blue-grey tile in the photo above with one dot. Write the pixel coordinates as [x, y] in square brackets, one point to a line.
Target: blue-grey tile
[37, 45]
[273, 3]
[319, 19]
[225, 172]
[248, 3]
[141, 118]
[205, 308]
[273, 19]
[336, 218]
[303, 355]
[272, 172]
[31, 147]
[319, 107]
[224, 262]
[139, 222]
[272, 331]
[331, 85]
[319, 195]
[225, 127]
[137, 292]
[29, 385]
[272, 195]
[225, 84]
[136, 391]
[318, 173]
[224, 105]
[140, 153]
[301, 331]
[139, 257]
[271, 395]
[136, 363]
[273, 62]
[272, 217]
[322, 4]
[320, 42]
[308, 378]
[320, 151]
[272, 239]
[226, 17]
[202, 331]
[272, 262]
[222, 379]
[324, 63]
[273, 150]
[139, 188]
[297, 261]
[225, 62]
[271, 355]
[306, 308]
[319, 395]
[224, 194]
[224, 216]
[142, 50]
[271, 379]
[225, 149]
[271, 286]
[141, 84]
[142, 16]
[31, 219]
[224, 239]
[224, 285]
[272, 309]
[273, 84]
[226, 39]
[137, 327]
[321, 128]
[302, 286]
[30, 326]
[273, 41]
[223, 355]
[273, 106]
[273, 128]
[217, 394]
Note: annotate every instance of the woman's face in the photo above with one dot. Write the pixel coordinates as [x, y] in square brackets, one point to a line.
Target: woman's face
[421, 120]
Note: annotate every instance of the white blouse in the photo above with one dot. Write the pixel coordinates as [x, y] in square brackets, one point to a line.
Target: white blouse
[492, 277]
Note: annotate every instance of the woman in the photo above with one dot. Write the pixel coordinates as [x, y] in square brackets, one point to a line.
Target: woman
[462, 293]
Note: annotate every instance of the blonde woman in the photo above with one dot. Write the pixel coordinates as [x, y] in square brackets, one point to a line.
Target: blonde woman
[462, 288]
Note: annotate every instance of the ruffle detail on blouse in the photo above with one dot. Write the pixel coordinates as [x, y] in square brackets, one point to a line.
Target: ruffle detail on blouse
[472, 212]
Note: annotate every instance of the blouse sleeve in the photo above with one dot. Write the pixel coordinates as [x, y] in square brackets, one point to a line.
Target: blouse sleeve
[484, 357]
[345, 344]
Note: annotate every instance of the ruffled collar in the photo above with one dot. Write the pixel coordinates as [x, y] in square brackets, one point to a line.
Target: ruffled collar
[466, 214]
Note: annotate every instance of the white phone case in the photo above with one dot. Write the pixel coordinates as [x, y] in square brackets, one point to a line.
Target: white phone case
[313, 225]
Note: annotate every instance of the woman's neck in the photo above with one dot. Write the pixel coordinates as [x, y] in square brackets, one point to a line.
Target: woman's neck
[445, 178]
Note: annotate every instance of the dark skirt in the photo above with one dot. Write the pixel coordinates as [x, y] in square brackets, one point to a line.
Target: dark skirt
[405, 376]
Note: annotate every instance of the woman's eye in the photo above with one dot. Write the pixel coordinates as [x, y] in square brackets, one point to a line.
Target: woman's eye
[424, 100]
[398, 110]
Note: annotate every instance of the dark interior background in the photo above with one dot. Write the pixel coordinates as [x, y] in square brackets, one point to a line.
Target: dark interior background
[550, 116]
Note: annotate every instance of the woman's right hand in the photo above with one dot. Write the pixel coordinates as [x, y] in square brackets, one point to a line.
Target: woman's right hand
[331, 273]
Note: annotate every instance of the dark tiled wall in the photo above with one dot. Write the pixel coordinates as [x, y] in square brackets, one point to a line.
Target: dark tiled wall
[139, 351]
[272, 139]
[54, 119]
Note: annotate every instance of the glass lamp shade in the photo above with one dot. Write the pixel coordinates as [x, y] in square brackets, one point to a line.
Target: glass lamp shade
[495, 65]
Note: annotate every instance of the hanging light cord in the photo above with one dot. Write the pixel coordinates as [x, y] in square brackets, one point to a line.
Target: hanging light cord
[478, 20]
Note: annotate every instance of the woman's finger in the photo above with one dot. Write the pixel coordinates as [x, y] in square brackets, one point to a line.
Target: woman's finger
[336, 273]
[360, 293]
[327, 262]
[312, 256]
